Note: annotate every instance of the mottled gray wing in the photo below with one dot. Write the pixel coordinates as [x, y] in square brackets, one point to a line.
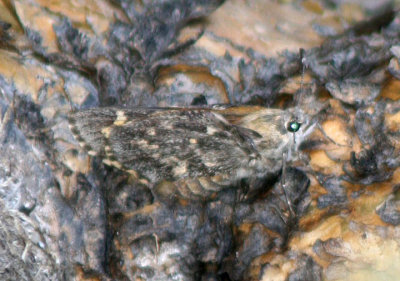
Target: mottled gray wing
[164, 143]
[87, 126]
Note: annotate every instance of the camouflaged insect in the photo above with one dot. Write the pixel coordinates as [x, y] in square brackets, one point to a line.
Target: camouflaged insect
[201, 150]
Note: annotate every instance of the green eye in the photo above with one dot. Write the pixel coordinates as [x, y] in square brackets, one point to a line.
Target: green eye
[293, 126]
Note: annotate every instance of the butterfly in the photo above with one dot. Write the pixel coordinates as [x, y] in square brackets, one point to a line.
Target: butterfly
[202, 150]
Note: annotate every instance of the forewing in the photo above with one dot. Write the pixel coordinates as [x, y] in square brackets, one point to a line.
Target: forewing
[87, 126]
[166, 144]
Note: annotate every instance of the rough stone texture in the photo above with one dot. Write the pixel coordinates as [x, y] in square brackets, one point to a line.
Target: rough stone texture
[332, 215]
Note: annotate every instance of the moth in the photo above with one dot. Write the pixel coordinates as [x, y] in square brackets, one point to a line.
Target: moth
[199, 150]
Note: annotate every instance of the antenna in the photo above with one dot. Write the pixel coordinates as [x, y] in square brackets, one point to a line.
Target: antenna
[303, 62]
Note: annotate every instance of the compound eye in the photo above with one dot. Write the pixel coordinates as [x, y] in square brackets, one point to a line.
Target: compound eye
[293, 126]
